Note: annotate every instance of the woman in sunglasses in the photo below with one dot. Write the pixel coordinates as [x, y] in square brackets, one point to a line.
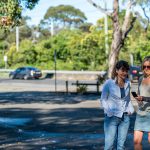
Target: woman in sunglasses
[142, 123]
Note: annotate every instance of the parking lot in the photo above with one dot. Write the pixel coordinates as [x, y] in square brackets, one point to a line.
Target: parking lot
[35, 117]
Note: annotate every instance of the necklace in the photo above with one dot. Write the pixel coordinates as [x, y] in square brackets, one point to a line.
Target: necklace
[121, 84]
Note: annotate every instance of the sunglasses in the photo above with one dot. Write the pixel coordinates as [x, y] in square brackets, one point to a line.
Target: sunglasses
[144, 67]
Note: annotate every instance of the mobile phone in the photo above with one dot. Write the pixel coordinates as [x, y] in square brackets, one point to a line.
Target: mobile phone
[134, 94]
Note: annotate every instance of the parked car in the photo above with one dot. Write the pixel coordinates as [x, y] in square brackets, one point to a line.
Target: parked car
[135, 73]
[25, 73]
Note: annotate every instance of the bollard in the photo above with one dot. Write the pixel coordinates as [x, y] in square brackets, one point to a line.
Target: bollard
[97, 87]
[67, 87]
[77, 84]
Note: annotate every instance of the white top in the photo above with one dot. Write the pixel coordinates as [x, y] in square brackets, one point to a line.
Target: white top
[111, 99]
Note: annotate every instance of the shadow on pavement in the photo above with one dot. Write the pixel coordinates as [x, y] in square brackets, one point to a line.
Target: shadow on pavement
[54, 128]
[45, 97]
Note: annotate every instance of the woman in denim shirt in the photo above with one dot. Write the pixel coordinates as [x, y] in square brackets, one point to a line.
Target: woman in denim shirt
[115, 100]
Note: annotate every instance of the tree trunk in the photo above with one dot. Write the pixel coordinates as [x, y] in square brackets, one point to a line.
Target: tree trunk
[115, 49]
[119, 32]
[117, 39]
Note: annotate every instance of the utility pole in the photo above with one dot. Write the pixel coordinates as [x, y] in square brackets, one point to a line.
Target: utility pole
[17, 38]
[5, 60]
[55, 61]
[106, 29]
[131, 59]
[52, 27]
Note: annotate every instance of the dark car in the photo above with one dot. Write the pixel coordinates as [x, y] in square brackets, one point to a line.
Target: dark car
[26, 73]
[135, 73]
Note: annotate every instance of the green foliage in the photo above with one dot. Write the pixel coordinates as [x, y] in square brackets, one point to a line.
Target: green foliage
[43, 52]
[4, 45]
[30, 4]
[143, 48]
[82, 48]
[25, 55]
[76, 49]
[27, 50]
[82, 89]
[85, 27]
[25, 32]
[64, 15]
[143, 2]
[10, 11]
[101, 78]
[3, 34]
[44, 34]
[2, 63]
[12, 55]
[137, 44]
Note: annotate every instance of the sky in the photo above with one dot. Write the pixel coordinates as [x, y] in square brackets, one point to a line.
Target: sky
[40, 9]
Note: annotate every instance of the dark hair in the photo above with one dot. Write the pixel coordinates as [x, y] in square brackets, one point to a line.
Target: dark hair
[147, 58]
[121, 64]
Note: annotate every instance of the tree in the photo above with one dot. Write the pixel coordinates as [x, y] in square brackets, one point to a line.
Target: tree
[9, 36]
[120, 29]
[64, 15]
[11, 11]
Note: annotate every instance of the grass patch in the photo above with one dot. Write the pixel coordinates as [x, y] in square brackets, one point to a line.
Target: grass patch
[4, 74]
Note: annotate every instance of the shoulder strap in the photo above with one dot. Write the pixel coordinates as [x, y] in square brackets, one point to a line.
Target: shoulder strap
[140, 80]
[139, 83]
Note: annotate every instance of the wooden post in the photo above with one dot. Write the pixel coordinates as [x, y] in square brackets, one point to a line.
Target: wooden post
[97, 87]
[66, 86]
[77, 83]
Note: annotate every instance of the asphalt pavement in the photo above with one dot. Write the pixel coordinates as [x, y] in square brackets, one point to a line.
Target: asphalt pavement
[44, 120]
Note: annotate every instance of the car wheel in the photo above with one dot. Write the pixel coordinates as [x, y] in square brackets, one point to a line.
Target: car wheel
[26, 77]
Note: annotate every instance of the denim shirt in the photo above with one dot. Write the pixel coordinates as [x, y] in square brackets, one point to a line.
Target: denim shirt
[111, 99]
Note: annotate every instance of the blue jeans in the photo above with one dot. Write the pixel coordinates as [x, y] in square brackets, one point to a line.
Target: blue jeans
[116, 130]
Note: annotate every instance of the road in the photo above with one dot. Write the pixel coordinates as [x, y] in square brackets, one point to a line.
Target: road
[44, 85]
[40, 85]
[31, 85]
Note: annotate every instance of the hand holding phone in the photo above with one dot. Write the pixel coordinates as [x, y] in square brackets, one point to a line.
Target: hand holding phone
[134, 94]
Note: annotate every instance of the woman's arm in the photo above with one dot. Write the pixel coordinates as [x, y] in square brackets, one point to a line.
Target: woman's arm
[104, 96]
[146, 99]
[142, 98]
